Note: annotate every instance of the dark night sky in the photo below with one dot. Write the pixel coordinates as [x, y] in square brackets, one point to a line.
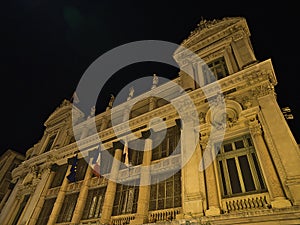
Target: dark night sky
[47, 45]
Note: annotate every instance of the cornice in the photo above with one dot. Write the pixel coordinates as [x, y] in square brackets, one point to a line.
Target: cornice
[202, 38]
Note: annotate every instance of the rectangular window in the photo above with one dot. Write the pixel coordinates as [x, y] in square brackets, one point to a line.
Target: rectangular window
[126, 198]
[46, 211]
[165, 193]
[59, 175]
[82, 165]
[215, 70]
[20, 210]
[239, 171]
[135, 155]
[50, 143]
[94, 203]
[67, 209]
[166, 144]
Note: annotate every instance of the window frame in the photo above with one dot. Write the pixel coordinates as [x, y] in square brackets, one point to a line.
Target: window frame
[224, 174]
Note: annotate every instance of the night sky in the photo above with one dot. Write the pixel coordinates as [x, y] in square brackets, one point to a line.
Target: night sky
[47, 45]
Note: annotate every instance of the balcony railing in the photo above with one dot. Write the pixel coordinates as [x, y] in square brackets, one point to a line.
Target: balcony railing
[122, 219]
[163, 215]
[255, 201]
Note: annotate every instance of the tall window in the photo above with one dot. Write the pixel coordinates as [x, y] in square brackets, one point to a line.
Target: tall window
[126, 199]
[166, 193]
[94, 203]
[215, 70]
[67, 209]
[168, 144]
[82, 165]
[135, 155]
[50, 143]
[238, 167]
[59, 175]
[46, 211]
[20, 210]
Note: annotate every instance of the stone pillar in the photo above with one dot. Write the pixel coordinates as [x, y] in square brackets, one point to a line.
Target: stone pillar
[145, 180]
[213, 202]
[50, 175]
[283, 146]
[3, 201]
[278, 199]
[112, 185]
[192, 195]
[82, 196]
[10, 206]
[59, 200]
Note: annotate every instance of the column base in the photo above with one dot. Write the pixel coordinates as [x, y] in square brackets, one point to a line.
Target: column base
[280, 202]
[213, 211]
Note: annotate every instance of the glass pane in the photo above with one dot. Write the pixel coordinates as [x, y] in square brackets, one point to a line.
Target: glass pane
[233, 175]
[227, 147]
[161, 190]
[260, 177]
[246, 172]
[169, 203]
[223, 177]
[160, 204]
[177, 201]
[152, 205]
[239, 144]
[169, 189]
[249, 141]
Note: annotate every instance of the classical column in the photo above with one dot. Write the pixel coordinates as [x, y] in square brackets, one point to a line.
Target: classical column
[112, 185]
[145, 180]
[192, 194]
[50, 173]
[59, 200]
[278, 199]
[213, 203]
[82, 195]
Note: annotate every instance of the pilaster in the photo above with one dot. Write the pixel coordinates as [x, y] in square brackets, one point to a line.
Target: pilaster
[285, 151]
[278, 199]
[112, 185]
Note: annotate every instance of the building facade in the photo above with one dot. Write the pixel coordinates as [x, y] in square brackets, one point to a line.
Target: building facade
[8, 162]
[235, 162]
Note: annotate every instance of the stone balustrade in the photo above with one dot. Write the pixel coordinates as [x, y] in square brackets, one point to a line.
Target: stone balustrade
[255, 201]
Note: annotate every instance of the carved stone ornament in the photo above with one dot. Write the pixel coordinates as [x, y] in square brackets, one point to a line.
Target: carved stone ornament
[186, 110]
[223, 114]
[263, 90]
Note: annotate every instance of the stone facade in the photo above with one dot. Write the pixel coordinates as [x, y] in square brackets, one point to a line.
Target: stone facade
[8, 162]
[227, 157]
